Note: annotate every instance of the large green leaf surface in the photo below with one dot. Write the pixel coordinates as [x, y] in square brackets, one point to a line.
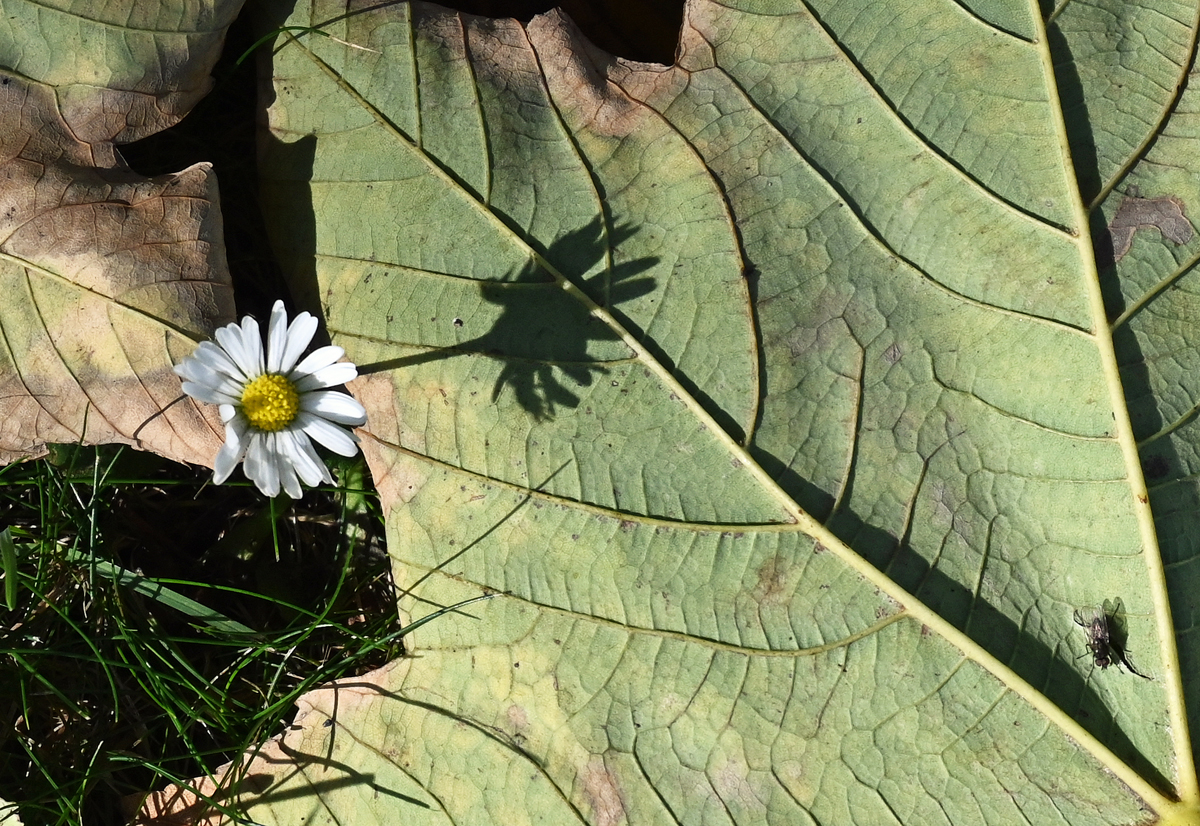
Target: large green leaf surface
[793, 398]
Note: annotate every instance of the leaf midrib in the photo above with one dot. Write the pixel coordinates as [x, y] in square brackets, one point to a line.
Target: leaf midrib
[1185, 768]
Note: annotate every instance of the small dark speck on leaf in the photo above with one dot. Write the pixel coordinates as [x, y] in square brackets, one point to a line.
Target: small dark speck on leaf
[1156, 467]
[458, 322]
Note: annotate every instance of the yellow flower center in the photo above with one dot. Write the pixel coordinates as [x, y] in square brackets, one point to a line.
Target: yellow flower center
[270, 402]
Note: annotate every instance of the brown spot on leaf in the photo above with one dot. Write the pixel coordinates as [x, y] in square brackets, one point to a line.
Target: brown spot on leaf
[603, 794]
[576, 74]
[1165, 213]
[776, 581]
[518, 719]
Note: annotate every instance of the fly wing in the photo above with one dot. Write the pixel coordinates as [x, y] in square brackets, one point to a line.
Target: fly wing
[1089, 618]
[1094, 623]
[1114, 608]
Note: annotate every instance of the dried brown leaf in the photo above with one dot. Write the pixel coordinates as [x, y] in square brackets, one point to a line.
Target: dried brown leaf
[109, 278]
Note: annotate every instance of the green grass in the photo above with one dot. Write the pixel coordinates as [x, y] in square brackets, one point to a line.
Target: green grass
[156, 626]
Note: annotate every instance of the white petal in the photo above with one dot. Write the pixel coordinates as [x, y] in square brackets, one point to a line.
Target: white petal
[311, 452]
[291, 485]
[190, 367]
[299, 336]
[281, 453]
[243, 345]
[252, 341]
[287, 474]
[207, 394]
[252, 457]
[337, 407]
[331, 376]
[229, 338]
[205, 376]
[228, 411]
[276, 336]
[227, 460]
[261, 465]
[232, 451]
[211, 355]
[333, 437]
[317, 359]
[305, 459]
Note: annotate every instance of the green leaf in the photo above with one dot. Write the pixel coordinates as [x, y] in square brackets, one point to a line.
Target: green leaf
[108, 278]
[794, 398]
[158, 591]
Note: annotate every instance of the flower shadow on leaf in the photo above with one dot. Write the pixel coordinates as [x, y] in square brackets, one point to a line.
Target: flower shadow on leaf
[543, 333]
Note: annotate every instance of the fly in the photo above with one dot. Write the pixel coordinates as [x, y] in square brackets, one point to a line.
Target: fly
[1102, 627]
[1094, 622]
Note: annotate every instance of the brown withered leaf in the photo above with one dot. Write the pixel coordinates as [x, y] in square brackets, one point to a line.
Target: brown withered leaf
[109, 278]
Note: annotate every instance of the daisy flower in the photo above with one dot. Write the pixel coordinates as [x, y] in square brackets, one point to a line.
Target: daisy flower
[273, 407]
